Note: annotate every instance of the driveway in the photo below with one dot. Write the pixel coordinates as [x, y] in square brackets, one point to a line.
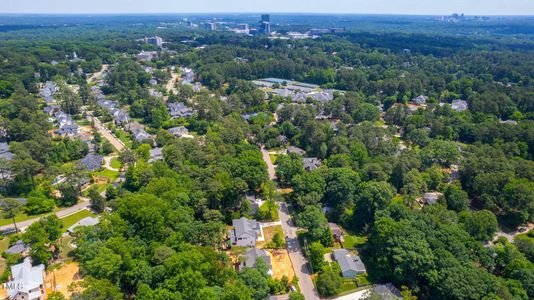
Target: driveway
[270, 166]
[300, 263]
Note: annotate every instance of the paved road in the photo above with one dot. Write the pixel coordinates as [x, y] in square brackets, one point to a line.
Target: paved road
[83, 204]
[117, 143]
[270, 166]
[96, 76]
[299, 262]
[511, 235]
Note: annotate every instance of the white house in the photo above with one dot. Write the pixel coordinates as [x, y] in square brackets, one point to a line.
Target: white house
[245, 233]
[28, 282]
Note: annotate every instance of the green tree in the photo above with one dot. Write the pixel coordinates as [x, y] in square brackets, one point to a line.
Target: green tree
[98, 203]
[481, 225]
[328, 283]
[456, 198]
[11, 208]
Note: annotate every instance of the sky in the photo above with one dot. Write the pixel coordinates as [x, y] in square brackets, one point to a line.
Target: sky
[411, 7]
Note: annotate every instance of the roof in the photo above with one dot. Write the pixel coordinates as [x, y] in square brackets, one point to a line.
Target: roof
[459, 105]
[88, 221]
[92, 161]
[178, 131]
[253, 254]
[26, 277]
[156, 154]
[18, 248]
[311, 163]
[431, 198]
[245, 226]
[387, 291]
[296, 150]
[4, 152]
[348, 261]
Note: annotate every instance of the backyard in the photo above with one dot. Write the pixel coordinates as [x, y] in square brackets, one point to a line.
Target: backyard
[70, 220]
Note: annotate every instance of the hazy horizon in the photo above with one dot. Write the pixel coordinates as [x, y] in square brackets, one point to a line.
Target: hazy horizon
[348, 7]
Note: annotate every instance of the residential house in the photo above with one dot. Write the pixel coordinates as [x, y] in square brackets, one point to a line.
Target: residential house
[68, 130]
[147, 55]
[19, 248]
[178, 131]
[155, 93]
[282, 92]
[311, 163]
[322, 96]
[141, 135]
[295, 150]
[28, 282]
[509, 122]
[252, 255]
[122, 118]
[153, 82]
[430, 198]
[92, 162]
[107, 104]
[51, 110]
[387, 292]
[5, 153]
[351, 265]
[245, 232]
[459, 105]
[299, 97]
[134, 126]
[88, 221]
[155, 154]
[420, 100]
[179, 110]
[49, 89]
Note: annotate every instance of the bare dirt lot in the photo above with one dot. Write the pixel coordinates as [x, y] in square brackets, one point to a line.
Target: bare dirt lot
[281, 265]
[59, 279]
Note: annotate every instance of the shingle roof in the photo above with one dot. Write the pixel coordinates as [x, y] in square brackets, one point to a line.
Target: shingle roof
[92, 162]
[253, 254]
[348, 261]
[244, 225]
[18, 248]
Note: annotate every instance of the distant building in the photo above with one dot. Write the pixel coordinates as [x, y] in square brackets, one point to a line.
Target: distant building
[459, 105]
[179, 110]
[265, 28]
[351, 265]
[88, 221]
[295, 150]
[154, 40]
[92, 162]
[211, 26]
[265, 18]
[68, 130]
[141, 135]
[147, 55]
[133, 126]
[420, 100]
[178, 131]
[28, 282]
[430, 198]
[245, 232]
[5, 153]
[252, 255]
[155, 154]
[311, 163]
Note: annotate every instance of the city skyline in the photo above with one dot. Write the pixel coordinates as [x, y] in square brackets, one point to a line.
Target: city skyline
[405, 7]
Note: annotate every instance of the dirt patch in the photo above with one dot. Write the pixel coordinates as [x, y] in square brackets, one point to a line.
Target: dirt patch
[60, 279]
[281, 264]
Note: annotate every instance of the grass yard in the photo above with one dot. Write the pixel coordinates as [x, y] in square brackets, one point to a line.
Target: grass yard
[525, 236]
[20, 217]
[83, 122]
[65, 248]
[124, 137]
[273, 158]
[362, 280]
[353, 241]
[115, 163]
[268, 211]
[113, 175]
[4, 244]
[348, 286]
[269, 232]
[68, 221]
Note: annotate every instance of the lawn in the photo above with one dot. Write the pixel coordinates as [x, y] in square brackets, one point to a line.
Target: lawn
[124, 137]
[83, 122]
[65, 248]
[525, 236]
[348, 286]
[115, 163]
[19, 218]
[268, 211]
[268, 233]
[113, 175]
[353, 241]
[273, 158]
[68, 221]
[4, 244]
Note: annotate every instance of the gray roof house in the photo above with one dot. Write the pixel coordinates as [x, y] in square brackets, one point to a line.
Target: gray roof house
[68, 130]
[5, 153]
[387, 291]
[141, 135]
[92, 162]
[28, 282]
[179, 110]
[252, 255]
[88, 221]
[51, 109]
[420, 100]
[295, 150]
[178, 131]
[299, 97]
[431, 198]
[134, 126]
[322, 96]
[19, 248]
[155, 154]
[459, 105]
[245, 232]
[351, 265]
[311, 163]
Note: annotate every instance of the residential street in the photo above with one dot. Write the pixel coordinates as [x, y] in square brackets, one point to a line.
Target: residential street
[118, 144]
[83, 204]
[298, 260]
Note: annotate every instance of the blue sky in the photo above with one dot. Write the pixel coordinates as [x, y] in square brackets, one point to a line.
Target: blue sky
[433, 7]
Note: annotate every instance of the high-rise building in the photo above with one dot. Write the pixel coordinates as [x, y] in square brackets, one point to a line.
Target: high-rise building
[212, 26]
[154, 40]
[265, 28]
[265, 18]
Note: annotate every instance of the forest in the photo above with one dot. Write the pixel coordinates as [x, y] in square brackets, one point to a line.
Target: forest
[390, 136]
